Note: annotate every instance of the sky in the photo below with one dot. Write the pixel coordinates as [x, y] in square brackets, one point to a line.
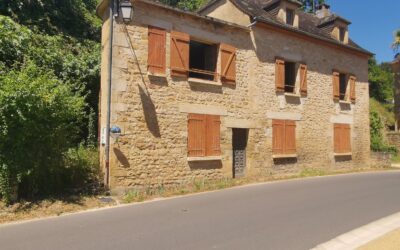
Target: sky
[373, 23]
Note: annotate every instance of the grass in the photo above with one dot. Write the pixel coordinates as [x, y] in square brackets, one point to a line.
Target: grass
[57, 206]
[396, 158]
[60, 205]
[203, 185]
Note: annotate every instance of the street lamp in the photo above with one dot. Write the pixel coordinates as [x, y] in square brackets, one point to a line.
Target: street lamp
[126, 10]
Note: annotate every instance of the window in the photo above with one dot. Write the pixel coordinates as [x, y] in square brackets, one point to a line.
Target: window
[341, 89]
[342, 135]
[192, 58]
[202, 60]
[156, 50]
[290, 77]
[283, 137]
[290, 17]
[342, 34]
[203, 135]
[286, 79]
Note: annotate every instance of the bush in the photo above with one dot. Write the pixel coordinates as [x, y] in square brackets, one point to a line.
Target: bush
[81, 167]
[376, 132]
[40, 119]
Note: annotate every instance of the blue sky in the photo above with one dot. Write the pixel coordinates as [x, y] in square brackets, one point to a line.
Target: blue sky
[373, 23]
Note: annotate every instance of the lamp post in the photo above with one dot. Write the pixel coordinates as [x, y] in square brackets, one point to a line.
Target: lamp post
[126, 10]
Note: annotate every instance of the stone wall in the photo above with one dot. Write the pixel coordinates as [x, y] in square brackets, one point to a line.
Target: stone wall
[152, 110]
[381, 160]
[393, 138]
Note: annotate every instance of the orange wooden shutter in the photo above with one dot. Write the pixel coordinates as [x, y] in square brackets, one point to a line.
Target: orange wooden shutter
[336, 83]
[280, 75]
[353, 89]
[228, 64]
[213, 135]
[156, 50]
[196, 135]
[179, 54]
[278, 135]
[290, 137]
[346, 136]
[337, 132]
[303, 79]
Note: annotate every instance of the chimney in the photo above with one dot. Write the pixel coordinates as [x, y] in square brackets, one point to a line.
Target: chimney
[323, 11]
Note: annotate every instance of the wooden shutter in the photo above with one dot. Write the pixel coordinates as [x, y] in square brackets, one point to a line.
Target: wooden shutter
[303, 79]
[346, 138]
[179, 54]
[336, 137]
[228, 64]
[280, 75]
[156, 50]
[278, 136]
[213, 135]
[196, 135]
[342, 138]
[336, 84]
[290, 137]
[353, 89]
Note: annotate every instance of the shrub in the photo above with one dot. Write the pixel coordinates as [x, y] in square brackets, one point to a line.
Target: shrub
[40, 119]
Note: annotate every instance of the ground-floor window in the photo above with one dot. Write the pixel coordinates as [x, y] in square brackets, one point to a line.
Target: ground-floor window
[342, 141]
[283, 137]
[203, 135]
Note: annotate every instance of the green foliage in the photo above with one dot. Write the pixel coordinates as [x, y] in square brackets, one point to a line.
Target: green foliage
[40, 119]
[377, 126]
[73, 62]
[81, 167]
[75, 18]
[381, 80]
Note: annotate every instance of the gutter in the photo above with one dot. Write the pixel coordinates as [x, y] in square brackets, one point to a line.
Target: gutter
[108, 117]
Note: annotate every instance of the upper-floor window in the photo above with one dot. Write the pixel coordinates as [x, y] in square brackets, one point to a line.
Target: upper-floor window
[343, 87]
[289, 17]
[202, 60]
[190, 57]
[290, 77]
[342, 34]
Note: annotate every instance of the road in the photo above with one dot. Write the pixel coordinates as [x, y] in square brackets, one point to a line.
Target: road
[294, 214]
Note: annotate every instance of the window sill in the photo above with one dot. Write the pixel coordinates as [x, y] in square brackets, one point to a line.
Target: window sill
[205, 158]
[161, 75]
[345, 102]
[202, 81]
[282, 156]
[292, 95]
[343, 154]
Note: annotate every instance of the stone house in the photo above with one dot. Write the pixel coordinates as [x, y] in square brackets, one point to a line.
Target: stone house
[240, 88]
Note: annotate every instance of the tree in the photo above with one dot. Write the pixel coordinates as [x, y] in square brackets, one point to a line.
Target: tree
[396, 42]
[311, 5]
[381, 80]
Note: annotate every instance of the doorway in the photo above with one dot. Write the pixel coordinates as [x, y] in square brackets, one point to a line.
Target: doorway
[239, 144]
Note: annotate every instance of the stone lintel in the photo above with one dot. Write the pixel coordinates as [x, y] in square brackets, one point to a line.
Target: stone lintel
[345, 119]
[240, 123]
[202, 109]
[284, 116]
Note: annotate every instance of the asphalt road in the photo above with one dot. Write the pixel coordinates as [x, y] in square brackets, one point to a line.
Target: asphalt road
[295, 214]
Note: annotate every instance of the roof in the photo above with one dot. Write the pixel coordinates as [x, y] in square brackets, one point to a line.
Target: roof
[102, 7]
[309, 24]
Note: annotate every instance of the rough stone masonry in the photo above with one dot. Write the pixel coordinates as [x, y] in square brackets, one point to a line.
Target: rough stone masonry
[152, 110]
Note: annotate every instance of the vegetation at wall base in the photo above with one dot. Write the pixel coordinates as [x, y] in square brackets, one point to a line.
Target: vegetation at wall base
[49, 86]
